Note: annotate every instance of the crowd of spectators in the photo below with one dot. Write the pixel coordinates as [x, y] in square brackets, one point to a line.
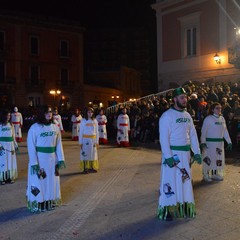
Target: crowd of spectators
[144, 114]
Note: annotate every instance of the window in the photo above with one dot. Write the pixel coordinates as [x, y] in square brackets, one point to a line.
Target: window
[34, 75]
[190, 35]
[64, 76]
[34, 45]
[34, 101]
[191, 41]
[2, 40]
[2, 72]
[64, 48]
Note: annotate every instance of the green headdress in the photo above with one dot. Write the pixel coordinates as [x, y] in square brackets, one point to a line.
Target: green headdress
[178, 91]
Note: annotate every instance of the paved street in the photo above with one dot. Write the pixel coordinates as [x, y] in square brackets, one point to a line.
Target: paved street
[120, 201]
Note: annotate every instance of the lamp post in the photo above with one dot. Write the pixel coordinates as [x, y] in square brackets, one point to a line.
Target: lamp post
[54, 93]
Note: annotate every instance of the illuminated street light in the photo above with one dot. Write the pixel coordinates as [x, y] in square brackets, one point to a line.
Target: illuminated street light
[54, 93]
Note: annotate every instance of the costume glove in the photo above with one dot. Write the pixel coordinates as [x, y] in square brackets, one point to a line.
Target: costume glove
[169, 162]
[229, 147]
[197, 158]
[203, 146]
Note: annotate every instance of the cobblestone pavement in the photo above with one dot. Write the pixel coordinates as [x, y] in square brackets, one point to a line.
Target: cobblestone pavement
[120, 201]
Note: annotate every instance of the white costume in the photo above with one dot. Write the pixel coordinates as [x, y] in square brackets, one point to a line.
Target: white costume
[177, 136]
[76, 120]
[8, 162]
[89, 139]
[102, 129]
[45, 153]
[17, 121]
[123, 128]
[214, 131]
[58, 120]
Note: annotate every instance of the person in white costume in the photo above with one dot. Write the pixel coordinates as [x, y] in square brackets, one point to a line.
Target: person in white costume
[17, 121]
[123, 129]
[58, 119]
[88, 141]
[177, 138]
[102, 128]
[76, 120]
[46, 157]
[213, 133]
[8, 147]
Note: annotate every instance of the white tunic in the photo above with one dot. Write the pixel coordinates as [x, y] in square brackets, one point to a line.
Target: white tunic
[76, 120]
[17, 121]
[102, 129]
[176, 129]
[58, 120]
[213, 132]
[44, 149]
[88, 138]
[123, 127]
[8, 162]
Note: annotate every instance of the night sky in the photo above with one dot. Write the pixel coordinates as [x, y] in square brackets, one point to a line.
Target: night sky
[90, 13]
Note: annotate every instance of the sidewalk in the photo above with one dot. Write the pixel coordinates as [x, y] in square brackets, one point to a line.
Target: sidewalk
[120, 201]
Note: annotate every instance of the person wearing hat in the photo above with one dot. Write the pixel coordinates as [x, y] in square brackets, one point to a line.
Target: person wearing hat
[178, 137]
[89, 141]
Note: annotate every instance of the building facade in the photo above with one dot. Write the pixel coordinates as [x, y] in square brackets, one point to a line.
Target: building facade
[37, 56]
[197, 40]
[43, 61]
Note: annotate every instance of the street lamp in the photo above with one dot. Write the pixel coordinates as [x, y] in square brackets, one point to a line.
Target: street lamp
[54, 93]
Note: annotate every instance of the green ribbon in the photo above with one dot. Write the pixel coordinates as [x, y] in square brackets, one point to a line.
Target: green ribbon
[6, 139]
[214, 139]
[46, 149]
[185, 148]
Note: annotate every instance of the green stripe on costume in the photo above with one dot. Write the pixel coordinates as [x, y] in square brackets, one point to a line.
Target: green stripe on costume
[181, 148]
[46, 149]
[6, 139]
[214, 139]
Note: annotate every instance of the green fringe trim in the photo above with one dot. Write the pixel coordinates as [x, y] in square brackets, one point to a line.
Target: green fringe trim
[34, 169]
[9, 174]
[61, 164]
[42, 207]
[181, 210]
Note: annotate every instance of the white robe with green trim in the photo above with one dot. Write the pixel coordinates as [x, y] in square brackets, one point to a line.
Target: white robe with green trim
[44, 136]
[8, 161]
[176, 128]
[214, 155]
